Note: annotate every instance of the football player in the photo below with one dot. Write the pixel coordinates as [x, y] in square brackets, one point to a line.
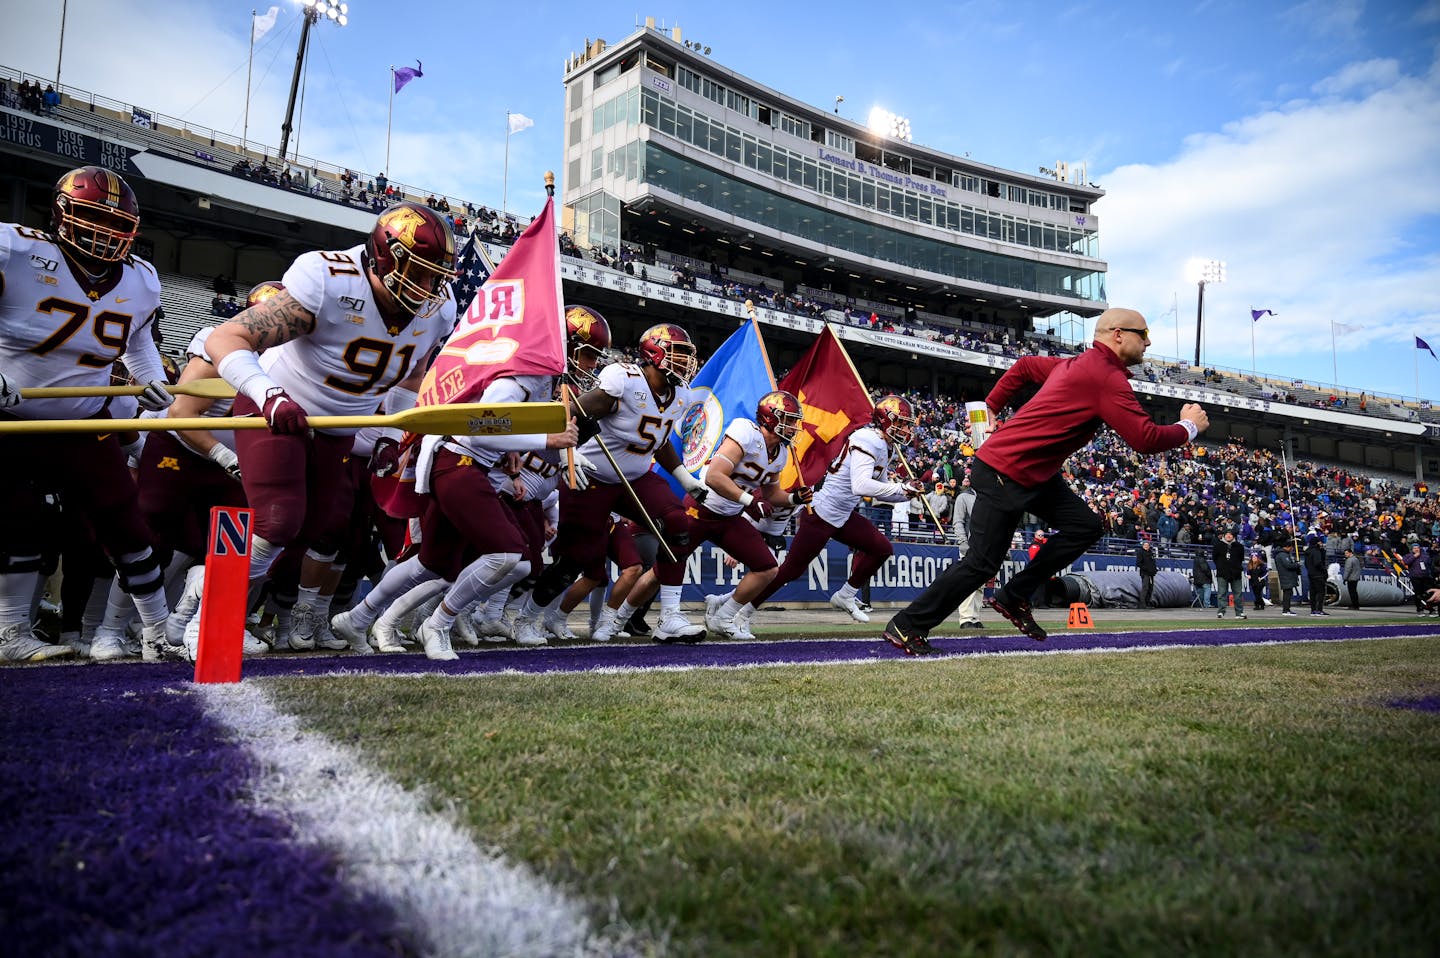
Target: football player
[587, 336]
[860, 472]
[470, 543]
[351, 328]
[72, 301]
[635, 407]
[743, 477]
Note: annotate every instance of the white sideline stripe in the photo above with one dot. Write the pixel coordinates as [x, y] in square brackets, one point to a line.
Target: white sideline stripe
[867, 660]
[451, 897]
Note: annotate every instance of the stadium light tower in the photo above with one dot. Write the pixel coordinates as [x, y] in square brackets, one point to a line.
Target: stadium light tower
[315, 10]
[1203, 271]
[889, 124]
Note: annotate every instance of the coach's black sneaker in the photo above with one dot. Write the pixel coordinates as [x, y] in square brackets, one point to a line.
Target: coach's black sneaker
[1017, 611]
[637, 625]
[908, 641]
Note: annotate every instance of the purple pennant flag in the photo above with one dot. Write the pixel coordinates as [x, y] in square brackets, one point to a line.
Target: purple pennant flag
[405, 74]
[1421, 344]
[1255, 314]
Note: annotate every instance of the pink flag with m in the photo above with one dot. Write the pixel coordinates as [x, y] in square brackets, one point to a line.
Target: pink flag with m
[515, 326]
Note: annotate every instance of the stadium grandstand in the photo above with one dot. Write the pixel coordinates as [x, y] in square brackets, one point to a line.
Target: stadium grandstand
[688, 191]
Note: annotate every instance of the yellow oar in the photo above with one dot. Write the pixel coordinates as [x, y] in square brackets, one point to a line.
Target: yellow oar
[204, 388]
[463, 419]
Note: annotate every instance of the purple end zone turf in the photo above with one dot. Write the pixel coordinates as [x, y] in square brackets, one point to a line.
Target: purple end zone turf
[124, 833]
[1428, 704]
[581, 658]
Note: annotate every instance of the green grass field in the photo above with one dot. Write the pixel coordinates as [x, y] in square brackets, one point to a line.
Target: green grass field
[1242, 800]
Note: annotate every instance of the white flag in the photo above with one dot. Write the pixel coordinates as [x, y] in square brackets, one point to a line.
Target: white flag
[264, 23]
[519, 121]
[1342, 329]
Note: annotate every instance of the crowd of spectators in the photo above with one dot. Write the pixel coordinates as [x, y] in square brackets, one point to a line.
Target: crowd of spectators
[29, 96]
[1193, 495]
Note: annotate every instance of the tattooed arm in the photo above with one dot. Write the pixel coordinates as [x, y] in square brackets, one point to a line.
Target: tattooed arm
[234, 347]
[277, 320]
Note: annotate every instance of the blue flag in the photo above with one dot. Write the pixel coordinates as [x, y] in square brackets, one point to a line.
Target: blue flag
[1421, 344]
[1255, 314]
[731, 383]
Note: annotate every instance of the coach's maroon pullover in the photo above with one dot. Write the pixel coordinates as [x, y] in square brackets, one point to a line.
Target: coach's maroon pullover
[1078, 395]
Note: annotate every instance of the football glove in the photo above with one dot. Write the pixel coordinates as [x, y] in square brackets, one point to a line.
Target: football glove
[9, 394]
[284, 414]
[155, 397]
[584, 471]
[385, 458]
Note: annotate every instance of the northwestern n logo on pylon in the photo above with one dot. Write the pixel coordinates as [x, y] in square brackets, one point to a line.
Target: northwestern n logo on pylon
[232, 533]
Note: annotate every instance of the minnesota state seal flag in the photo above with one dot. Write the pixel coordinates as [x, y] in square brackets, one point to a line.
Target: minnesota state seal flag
[730, 384]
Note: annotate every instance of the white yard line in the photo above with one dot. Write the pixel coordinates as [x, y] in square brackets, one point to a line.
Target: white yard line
[454, 898]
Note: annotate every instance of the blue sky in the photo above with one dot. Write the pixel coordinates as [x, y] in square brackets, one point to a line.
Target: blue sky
[1298, 142]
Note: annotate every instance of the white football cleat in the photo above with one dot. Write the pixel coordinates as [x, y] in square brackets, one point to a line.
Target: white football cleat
[19, 644]
[109, 645]
[849, 604]
[527, 632]
[387, 639]
[326, 639]
[674, 627]
[554, 622]
[714, 621]
[465, 630]
[345, 627]
[436, 642]
[740, 626]
[155, 645]
[606, 627]
[303, 625]
[253, 646]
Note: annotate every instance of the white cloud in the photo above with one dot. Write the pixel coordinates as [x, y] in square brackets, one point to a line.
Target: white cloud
[1360, 77]
[1323, 210]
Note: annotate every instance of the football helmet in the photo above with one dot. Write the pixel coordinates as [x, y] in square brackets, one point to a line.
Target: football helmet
[95, 213]
[895, 417]
[587, 336]
[264, 291]
[670, 349]
[780, 412]
[412, 251]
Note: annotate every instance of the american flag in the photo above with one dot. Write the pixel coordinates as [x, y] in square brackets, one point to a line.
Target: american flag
[472, 269]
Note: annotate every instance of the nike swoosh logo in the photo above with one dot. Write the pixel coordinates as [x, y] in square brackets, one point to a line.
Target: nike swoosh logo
[122, 299]
[418, 332]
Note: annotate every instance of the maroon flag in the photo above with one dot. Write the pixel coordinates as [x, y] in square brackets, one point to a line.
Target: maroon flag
[835, 403]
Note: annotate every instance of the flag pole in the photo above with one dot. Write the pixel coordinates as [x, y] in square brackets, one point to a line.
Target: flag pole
[245, 133]
[505, 182]
[389, 116]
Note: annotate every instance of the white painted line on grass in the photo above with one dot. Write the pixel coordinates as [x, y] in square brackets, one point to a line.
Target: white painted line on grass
[454, 898]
